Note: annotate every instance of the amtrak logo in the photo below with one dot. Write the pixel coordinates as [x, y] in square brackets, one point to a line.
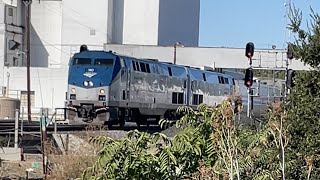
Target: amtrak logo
[90, 73]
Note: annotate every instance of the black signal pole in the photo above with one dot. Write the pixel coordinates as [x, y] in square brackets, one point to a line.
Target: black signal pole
[27, 25]
[249, 53]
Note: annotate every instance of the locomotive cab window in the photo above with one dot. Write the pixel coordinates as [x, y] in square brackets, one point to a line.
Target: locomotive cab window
[81, 61]
[103, 62]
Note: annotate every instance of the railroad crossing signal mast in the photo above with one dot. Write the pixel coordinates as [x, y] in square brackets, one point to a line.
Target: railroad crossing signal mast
[249, 74]
[289, 77]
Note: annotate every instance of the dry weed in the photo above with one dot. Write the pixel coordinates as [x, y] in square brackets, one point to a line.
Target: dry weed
[72, 163]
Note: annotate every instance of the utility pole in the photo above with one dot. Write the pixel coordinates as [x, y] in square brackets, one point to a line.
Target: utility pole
[27, 33]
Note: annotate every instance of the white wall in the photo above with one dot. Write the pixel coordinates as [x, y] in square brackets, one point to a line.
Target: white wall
[214, 57]
[49, 84]
[79, 17]
[140, 23]
[179, 22]
[45, 33]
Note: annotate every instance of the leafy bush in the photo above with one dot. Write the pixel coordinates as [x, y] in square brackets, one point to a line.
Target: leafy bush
[209, 140]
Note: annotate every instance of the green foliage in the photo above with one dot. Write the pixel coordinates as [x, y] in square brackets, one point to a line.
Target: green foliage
[209, 139]
[303, 103]
[303, 111]
[307, 44]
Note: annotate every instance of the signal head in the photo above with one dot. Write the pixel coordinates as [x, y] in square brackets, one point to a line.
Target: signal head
[249, 50]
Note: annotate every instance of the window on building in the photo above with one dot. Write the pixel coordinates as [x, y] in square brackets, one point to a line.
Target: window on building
[15, 61]
[92, 32]
[24, 98]
[10, 12]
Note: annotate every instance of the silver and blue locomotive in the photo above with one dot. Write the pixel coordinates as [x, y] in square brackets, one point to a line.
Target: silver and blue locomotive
[107, 88]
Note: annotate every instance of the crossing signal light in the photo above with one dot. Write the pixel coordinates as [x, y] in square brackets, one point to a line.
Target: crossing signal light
[248, 79]
[249, 50]
[290, 52]
[290, 78]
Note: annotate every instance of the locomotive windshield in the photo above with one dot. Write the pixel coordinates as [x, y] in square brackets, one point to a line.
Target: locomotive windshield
[103, 62]
[81, 61]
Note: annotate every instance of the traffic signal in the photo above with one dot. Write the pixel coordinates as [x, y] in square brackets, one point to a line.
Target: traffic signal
[249, 50]
[290, 52]
[248, 79]
[290, 78]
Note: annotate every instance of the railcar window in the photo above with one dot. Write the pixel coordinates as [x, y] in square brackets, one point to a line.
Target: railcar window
[81, 61]
[134, 65]
[204, 76]
[233, 82]
[177, 98]
[180, 98]
[137, 66]
[148, 68]
[143, 67]
[170, 72]
[200, 99]
[226, 80]
[222, 80]
[103, 62]
[174, 98]
[219, 78]
[195, 99]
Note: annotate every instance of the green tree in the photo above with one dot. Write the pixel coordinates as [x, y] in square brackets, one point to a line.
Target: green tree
[303, 105]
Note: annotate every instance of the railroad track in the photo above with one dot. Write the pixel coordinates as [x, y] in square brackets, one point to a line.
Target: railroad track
[8, 126]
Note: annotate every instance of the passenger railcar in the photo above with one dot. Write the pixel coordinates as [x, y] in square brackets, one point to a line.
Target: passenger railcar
[106, 88]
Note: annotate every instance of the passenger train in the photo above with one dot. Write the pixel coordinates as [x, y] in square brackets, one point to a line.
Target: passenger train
[107, 88]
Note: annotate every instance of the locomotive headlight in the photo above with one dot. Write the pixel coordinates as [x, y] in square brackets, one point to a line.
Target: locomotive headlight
[90, 83]
[85, 83]
[102, 91]
[73, 90]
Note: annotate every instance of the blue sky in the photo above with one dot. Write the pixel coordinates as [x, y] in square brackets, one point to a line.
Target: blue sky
[233, 23]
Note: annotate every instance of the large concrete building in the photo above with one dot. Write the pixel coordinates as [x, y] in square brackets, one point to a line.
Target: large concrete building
[143, 28]
[58, 28]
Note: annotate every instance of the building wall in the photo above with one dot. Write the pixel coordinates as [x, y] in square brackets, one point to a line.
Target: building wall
[140, 22]
[179, 22]
[213, 57]
[83, 23]
[48, 84]
[115, 21]
[45, 38]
